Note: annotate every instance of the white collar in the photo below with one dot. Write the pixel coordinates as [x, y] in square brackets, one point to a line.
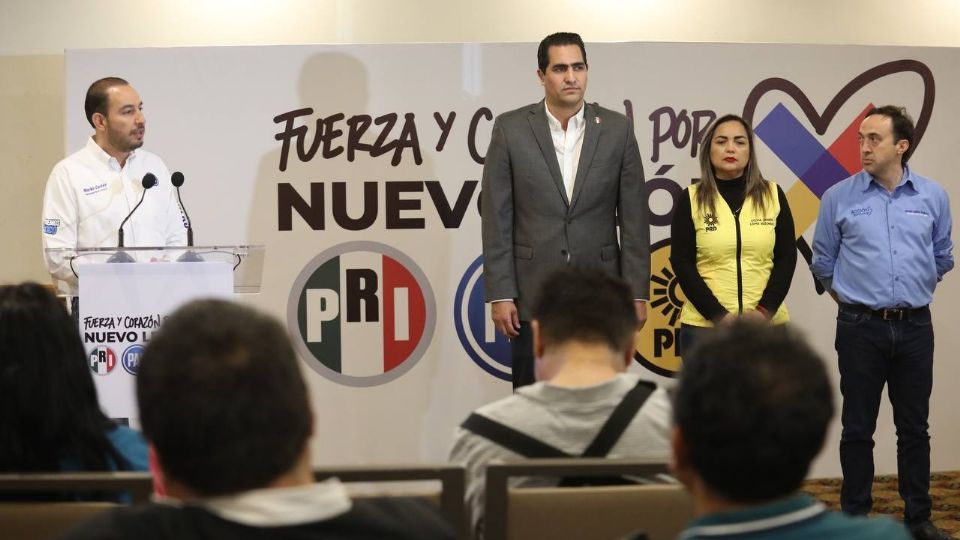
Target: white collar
[102, 155]
[275, 507]
[576, 121]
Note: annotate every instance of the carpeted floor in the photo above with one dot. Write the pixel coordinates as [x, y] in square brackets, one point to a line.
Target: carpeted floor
[944, 490]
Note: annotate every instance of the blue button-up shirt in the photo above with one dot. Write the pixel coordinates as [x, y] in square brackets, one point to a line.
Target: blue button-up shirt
[882, 249]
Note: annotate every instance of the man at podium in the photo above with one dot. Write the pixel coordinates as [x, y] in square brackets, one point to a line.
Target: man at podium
[92, 191]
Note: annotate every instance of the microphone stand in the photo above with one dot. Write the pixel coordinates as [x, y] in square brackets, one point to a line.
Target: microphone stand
[121, 256]
[189, 255]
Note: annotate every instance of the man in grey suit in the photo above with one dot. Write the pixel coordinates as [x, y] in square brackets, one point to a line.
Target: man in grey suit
[558, 176]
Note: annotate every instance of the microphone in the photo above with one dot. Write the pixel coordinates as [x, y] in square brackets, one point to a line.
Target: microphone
[149, 180]
[177, 180]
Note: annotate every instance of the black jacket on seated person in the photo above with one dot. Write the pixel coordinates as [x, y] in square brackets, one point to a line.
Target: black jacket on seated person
[371, 518]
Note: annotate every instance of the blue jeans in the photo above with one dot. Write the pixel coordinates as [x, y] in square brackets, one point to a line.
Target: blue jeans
[873, 352]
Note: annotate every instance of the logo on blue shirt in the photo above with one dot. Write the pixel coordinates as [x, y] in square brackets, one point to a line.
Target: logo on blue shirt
[862, 211]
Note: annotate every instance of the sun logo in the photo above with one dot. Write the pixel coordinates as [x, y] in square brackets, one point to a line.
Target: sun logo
[710, 221]
[666, 292]
[656, 345]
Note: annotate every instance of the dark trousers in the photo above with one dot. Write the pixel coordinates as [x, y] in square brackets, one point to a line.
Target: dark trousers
[521, 349]
[688, 336]
[899, 353]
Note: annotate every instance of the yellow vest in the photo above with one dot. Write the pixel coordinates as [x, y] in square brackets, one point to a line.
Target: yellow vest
[718, 239]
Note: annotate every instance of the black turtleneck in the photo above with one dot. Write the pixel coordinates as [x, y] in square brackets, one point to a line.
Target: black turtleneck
[683, 252]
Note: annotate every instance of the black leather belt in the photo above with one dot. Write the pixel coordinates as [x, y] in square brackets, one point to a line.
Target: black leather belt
[887, 314]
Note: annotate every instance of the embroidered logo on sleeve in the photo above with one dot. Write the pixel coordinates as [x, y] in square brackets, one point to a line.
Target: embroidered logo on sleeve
[50, 226]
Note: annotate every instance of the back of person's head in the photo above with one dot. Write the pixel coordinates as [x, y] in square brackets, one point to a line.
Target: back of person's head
[48, 404]
[222, 399]
[585, 305]
[752, 408]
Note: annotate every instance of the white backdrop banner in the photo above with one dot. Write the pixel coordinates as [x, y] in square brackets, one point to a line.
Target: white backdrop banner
[358, 166]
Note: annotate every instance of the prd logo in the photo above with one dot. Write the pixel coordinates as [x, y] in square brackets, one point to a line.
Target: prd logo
[488, 348]
[362, 313]
[656, 345]
[102, 360]
[131, 358]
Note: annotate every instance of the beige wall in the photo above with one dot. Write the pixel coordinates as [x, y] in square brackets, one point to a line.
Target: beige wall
[34, 34]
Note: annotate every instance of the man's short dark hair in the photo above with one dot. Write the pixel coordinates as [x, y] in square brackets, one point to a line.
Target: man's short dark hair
[554, 40]
[222, 399]
[753, 404]
[586, 305]
[902, 126]
[97, 100]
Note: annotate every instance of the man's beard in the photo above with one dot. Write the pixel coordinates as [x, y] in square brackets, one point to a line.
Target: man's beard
[125, 143]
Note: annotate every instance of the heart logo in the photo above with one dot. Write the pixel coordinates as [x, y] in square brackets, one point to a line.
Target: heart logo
[825, 172]
[820, 122]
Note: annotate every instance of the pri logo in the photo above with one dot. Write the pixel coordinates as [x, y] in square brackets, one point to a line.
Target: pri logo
[471, 314]
[656, 344]
[131, 358]
[362, 313]
[102, 360]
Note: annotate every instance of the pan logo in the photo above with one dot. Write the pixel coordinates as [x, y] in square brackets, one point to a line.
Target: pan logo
[131, 358]
[361, 313]
[485, 346]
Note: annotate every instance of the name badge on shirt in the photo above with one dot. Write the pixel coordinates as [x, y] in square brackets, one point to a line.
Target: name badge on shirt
[94, 189]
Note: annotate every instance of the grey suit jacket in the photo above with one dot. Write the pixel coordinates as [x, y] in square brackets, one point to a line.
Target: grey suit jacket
[530, 228]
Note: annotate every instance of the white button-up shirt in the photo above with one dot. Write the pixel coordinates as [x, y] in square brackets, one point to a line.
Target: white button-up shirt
[89, 194]
[567, 143]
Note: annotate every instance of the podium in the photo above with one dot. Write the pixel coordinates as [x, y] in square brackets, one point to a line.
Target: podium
[124, 299]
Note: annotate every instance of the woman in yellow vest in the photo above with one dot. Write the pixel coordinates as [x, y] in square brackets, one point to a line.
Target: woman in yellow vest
[732, 239]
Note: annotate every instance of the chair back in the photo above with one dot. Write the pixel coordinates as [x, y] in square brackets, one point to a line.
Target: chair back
[451, 478]
[45, 520]
[661, 510]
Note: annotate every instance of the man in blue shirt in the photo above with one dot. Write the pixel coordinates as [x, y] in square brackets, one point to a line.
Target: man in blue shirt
[881, 244]
[751, 411]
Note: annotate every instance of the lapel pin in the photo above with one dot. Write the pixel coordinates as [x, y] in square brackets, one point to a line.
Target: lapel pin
[596, 119]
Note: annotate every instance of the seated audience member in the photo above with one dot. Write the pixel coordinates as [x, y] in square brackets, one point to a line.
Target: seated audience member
[583, 330]
[751, 411]
[50, 419]
[226, 413]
